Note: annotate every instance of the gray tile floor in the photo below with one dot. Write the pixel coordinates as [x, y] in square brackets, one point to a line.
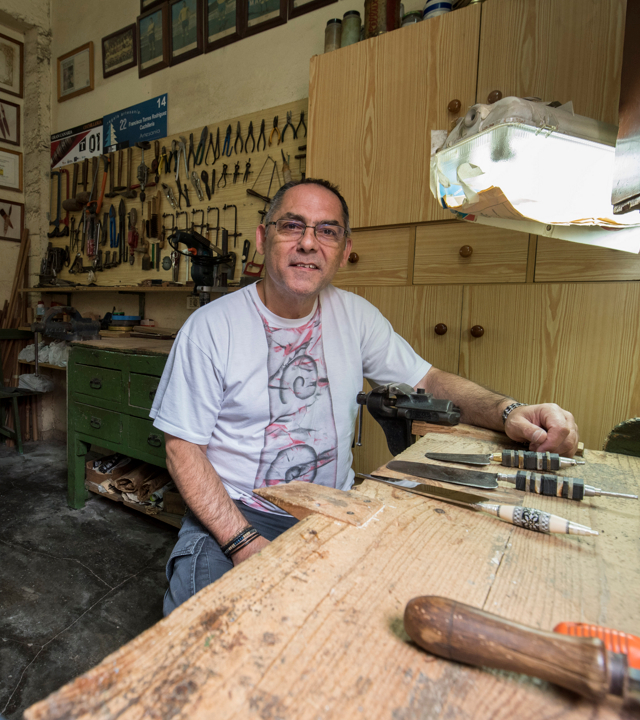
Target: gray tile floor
[75, 585]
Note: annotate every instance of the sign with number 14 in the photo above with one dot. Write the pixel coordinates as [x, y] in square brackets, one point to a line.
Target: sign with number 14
[145, 121]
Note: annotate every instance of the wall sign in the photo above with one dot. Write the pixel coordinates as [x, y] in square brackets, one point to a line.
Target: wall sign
[145, 121]
[70, 146]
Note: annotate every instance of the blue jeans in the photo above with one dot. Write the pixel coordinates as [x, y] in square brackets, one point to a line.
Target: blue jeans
[197, 561]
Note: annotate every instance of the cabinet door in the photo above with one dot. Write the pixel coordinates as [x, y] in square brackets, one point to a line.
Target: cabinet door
[413, 312]
[576, 344]
[373, 105]
[555, 50]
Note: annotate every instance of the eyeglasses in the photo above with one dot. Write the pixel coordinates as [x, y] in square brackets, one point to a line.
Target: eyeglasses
[325, 233]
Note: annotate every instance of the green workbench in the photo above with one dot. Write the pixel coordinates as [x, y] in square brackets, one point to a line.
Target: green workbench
[111, 386]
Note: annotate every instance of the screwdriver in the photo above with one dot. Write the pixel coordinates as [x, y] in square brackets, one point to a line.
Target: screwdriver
[459, 632]
[566, 487]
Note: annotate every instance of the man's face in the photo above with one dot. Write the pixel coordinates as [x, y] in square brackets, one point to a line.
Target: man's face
[298, 270]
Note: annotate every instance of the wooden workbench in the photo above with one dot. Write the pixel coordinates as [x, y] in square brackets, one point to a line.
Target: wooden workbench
[312, 626]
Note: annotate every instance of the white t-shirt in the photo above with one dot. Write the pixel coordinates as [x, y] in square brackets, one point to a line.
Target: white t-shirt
[274, 399]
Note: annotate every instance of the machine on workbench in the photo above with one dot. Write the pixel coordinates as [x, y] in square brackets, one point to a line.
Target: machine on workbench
[396, 405]
[209, 272]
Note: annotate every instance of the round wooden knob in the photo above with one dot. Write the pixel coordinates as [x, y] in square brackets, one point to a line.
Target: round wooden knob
[454, 106]
[494, 96]
[477, 331]
[466, 251]
[353, 258]
[441, 329]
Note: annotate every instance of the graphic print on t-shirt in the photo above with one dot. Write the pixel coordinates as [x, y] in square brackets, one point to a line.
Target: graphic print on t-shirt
[300, 441]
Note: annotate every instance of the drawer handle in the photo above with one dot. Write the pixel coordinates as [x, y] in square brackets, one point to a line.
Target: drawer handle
[353, 258]
[96, 383]
[466, 251]
[477, 331]
[152, 393]
[154, 440]
[494, 96]
[441, 329]
[95, 423]
[454, 106]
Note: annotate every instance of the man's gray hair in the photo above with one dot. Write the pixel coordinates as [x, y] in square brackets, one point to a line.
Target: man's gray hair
[277, 200]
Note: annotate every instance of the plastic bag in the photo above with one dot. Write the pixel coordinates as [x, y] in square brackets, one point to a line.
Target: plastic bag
[28, 354]
[39, 383]
[59, 353]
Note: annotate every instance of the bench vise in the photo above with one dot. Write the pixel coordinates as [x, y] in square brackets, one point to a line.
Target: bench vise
[77, 327]
[396, 405]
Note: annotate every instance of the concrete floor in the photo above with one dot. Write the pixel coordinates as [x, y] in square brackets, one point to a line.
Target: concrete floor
[75, 585]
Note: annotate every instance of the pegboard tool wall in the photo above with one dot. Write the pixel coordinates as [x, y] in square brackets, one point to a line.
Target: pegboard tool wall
[233, 194]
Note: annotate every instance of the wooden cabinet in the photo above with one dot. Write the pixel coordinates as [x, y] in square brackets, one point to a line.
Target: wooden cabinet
[382, 257]
[560, 260]
[373, 105]
[555, 50]
[460, 252]
[576, 344]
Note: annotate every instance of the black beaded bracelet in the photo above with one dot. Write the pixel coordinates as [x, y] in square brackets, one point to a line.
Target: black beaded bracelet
[242, 539]
[509, 409]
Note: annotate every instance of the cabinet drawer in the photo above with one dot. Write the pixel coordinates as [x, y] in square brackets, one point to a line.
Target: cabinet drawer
[98, 358]
[147, 364]
[142, 390]
[96, 422]
[98, 382]
[463, 253]
[383, 258]
[558, 260]
[144, 437]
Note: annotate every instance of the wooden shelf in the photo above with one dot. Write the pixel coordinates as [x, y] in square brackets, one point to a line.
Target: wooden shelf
[111, 288]
[169, 518]
[44, 365]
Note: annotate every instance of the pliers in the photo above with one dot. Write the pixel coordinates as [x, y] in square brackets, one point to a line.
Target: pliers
[302, 122]
[191, 152]
[284, 129]
[214, 149]
[200, 151]
[181, 195]
[164, 160]
[113, 237]
[261, 137]
[250, 135]
[223, 176]
[226, 148]
[238, 137]
[274, 130]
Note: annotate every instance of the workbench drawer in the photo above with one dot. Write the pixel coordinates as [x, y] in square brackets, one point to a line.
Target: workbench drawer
[96, 422]
[97, 382]
[378, 257]
[450, 253]
[147, 364]
[145, 438]
[142, 390]
[97, 358]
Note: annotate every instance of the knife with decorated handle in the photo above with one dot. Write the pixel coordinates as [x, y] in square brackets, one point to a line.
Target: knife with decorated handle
[523, 459]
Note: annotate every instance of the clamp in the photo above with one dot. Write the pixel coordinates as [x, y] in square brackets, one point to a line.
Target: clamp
[275, 130]
[236, 172]
[223, 176]
[247, 171]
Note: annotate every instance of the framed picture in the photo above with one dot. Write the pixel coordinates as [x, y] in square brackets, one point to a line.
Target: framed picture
[10, 170]
[264, 15]
[75, 72]
[119, 51]
[186, 35]
[11, 66]
[148, 4]
[223, 22]
[9, 122]
[153, 40]
[11, 220]
[300, 7]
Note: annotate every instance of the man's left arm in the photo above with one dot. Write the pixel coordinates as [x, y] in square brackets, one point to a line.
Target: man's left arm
[547, 427]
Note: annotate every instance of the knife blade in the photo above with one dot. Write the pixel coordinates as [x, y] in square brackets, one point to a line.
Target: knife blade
[467, 459]
[524, 517]
[458, 476]
[511, 458]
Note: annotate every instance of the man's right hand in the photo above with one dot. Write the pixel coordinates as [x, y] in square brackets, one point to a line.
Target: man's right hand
[251, 549]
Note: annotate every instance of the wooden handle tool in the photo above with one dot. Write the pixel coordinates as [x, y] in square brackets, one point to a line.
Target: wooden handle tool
[459, 632]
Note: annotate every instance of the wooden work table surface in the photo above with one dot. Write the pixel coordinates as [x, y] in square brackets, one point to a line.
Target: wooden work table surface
[311, 628]
[132, 345]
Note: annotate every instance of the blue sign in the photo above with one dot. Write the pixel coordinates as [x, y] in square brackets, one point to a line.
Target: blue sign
[145, 121]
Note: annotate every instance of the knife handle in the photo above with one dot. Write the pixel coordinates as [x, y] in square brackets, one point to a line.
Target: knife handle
[529, 460]
[459, 632]
[536, 520]
[566, 487]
